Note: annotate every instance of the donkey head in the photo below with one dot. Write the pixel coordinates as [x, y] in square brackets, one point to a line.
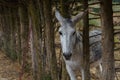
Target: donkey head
[68, 33]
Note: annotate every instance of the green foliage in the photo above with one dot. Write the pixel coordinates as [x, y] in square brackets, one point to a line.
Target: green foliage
[12, 54]
[116, 8]
[96, 10]
[116, 1]
[116, 39]
[27, 67]
[46, 77]
[94, 21]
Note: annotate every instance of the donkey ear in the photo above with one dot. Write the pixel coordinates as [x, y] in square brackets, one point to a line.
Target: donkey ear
[79, 16]
[59, 17]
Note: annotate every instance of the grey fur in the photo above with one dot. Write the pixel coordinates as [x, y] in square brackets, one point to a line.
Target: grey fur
[71, 43]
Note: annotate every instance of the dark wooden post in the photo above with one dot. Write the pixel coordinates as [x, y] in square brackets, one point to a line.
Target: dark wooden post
[108, 40]
[86, 54]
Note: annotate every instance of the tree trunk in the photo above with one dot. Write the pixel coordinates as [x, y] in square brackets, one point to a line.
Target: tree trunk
[33, 52]
[24, 27]
[6, 30]
[49, 40]
[65, 8]
[35, 38]
[108, 40]
[86, 51]
[13, 54]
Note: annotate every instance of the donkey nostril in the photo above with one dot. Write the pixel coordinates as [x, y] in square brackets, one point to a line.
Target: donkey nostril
[63, 54]
[67, 56]
[70, 55]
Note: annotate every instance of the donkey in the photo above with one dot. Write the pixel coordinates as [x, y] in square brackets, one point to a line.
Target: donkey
[71, 43]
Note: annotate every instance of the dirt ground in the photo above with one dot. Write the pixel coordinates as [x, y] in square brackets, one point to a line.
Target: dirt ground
[10, 70]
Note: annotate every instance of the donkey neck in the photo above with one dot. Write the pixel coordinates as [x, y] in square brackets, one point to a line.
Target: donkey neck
[77, 51]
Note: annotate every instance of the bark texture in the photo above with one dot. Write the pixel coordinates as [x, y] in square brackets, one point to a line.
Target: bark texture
[108, 40]
[86, 54]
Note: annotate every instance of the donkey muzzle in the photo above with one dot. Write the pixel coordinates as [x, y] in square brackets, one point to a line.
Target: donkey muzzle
[67, 55]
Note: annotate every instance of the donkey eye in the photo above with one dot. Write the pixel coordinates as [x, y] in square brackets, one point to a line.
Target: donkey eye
[73, 33]
[60, 33]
